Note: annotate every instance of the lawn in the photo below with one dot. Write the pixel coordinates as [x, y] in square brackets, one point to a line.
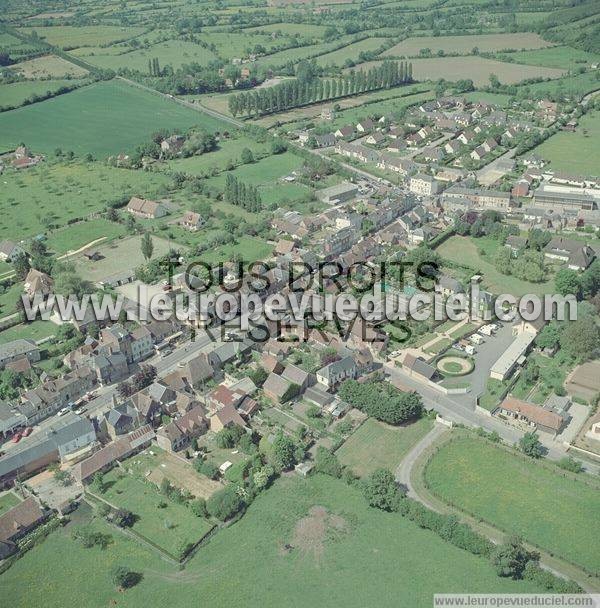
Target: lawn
[579, 150]
[375, 444]
[170, 527]
[8, 500]
[373, 560]
[520, 496]
[52, 194]
[105, 118]
[466, 252]
[36, 330]
[77, 235]
[465, 44]
[439, 346]
[9, 294]
[16, 93]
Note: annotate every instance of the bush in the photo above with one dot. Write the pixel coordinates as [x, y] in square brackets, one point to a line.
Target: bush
[225, 503]
[206, 468]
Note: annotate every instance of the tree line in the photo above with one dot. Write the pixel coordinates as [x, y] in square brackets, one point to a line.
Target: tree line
[294, 93]
[242, 195]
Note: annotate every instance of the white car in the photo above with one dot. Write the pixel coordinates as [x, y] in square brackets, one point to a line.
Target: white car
[65, 410]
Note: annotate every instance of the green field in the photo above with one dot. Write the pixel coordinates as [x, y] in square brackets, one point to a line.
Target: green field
[171, 52]
[48, 66]
[466, 252]
[554, 57]
[16, 93]
[53, 194]
[170, 527]
[8, 500]
[230, 45]
[514, 493]
[572, 86]
[350, 52]
[77, 235]
[575, 152]
[36, 330]
[67, 36]
[374, 559]
[104, 118]
[302, 29]
[374, 445]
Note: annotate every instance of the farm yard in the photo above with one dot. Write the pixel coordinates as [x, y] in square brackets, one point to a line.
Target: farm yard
[375, 445]
[519, 496]
[464, 45]
[83, 121]
[406, 556]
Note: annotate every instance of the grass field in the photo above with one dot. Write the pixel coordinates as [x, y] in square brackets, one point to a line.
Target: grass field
[69, 37]
[8, 500]
[36, 330]
[374, 445]
[465, 44]
[554, 57]
[171, 527]
[466, 251]
[373, 560]
[230, 45]
[171, 52]
[77, 235]
[302, 52]
[48, 66]
[291, 29]
[104, 118]
[350, 52]
[16, 93]
[52, 194]
[557, 513]
[577, 151]
[573, 86]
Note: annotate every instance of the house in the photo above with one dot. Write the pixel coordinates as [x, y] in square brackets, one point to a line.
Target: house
[324, 141]
[223, 396]
[121, 419]
[521, 188]
[448, 286]
[17, 522]
[538, 417]
[11, 420]
[336, 372]
[577, 255]
[285, 246]
[9, 251]
[375, 139]
[338, 194]
[466, 137]
[146, 209]
[172, 144]
[478, 153]
[225, 418]
[365, 126]
[515, 243]
[296, 375]
[417, 367]
[135, 346]
[192, 221]
[433, 155]
[489, 145]
[396, 145]
[453, 147]
[19, 349]
[276, 387]
[344, 132]
[423, 185]
[37, 282]
[178, 435]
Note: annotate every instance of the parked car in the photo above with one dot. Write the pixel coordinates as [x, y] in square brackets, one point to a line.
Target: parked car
[65, 410]
[17, 437]
[27, 431]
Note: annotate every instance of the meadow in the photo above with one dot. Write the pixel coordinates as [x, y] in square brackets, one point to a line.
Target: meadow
[351, 51]
[303, 52]
[48, 66]
[371, 560]
[103, 118]
[77, 235]
[15, 93]
[229, 45]
[52, 194]
[377, 445]
[575, 152]
[553, 57]
[291, 29]
[70, 37]
[465, 44]
[522, 497]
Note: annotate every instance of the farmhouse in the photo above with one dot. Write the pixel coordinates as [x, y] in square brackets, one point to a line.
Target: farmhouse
[533, 415]
[146, 209]
[577, 255]
[192, 221]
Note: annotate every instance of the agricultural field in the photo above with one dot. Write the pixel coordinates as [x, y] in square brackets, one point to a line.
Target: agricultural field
[52, 194]
[83, 121]
[285, 514]
[351, 52]
[467, 252]
[171, 52]
[15, 93]
[70, 37]
[554, 57]
[580, 149]
[520, 496]
[377, 445]
[48, 66]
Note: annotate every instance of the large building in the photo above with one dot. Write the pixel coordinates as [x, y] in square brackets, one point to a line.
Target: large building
[514, 355]
[564, 198]
[338, 194]
[483, 199]
[424, 185]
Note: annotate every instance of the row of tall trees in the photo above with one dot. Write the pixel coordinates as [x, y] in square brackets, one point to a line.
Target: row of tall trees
[295, 93]
[154, 67]
[238, 193]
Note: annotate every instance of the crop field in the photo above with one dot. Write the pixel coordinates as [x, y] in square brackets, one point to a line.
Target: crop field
[171, 52]
[104, 118]
[466, 252]
[15, 93]
[406, 557]
[119, 256]
[465, 44]
[171, 527]
[265, 174]
[375, 445]
[350, 52]
[581, 149]
[48, 66]
[70, 37]
[554, 57]
[54, 194]
[519, 496]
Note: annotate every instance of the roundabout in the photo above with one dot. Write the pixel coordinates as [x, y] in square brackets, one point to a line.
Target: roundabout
[454, 366]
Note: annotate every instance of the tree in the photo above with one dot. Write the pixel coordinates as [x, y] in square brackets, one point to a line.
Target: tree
[283, 452]
[581, 338]
[567, 282]
[327, 462]
[549, 337]
[568, 463]
[123, 578]
[263, 476]
[225, 503]
[207, 468]
[247, 157]
[198, 507]
[21, 265]
[531, 445]
[511, 558]
[147, 246]
[380, 490]
[98, 483]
